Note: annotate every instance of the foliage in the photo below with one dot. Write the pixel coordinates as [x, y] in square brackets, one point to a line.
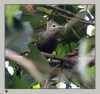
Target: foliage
[23, 22]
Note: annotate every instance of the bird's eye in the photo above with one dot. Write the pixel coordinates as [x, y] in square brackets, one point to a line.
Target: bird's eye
[54, 25]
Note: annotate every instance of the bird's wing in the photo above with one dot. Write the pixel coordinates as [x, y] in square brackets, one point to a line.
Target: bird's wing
[38, 38]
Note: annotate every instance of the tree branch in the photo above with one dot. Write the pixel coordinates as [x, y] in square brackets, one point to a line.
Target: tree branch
[71, 60]
[27, 64]
[75, 33]
[65, 59]
[71, 35]
[74, 16]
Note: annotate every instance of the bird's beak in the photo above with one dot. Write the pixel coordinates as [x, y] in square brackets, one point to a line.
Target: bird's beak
[61, 27]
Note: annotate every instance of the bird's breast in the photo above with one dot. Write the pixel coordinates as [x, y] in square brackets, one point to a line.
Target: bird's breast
[49, 45]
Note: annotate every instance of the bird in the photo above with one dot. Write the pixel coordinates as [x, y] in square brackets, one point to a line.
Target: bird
[50, 37]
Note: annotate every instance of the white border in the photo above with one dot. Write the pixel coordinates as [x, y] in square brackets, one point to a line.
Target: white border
[47, 1]
[47, 91]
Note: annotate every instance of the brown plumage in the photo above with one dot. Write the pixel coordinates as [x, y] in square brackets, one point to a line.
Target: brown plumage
[50, 37]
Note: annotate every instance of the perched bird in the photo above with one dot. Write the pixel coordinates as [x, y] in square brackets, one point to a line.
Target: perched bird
[50, 37]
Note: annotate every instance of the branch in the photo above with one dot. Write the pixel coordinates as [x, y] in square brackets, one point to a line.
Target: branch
[83, 21]
[71, 60]
[75, 33]
[75, 17]
[63, 10]
[27, 64]
[54, 62]
[71, 35]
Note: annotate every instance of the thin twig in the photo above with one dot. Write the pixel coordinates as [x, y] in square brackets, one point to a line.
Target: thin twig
[65, 59]
[71, 35]
[50, 74]
[65, 11]
[84, 21]
[86, 10]
[54, 69]
[75, 17]
[70, 47]
[75, 33]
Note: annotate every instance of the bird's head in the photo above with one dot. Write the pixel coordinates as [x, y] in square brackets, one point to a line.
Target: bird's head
[53, 27]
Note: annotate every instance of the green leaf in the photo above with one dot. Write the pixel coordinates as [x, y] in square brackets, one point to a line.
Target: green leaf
[91, 71]
[40, 60]
[93, 32]
[27, 78]
[20, 38]
[86, 45]
[37, 86]
[34, 20]
[11, 81]
[76, 25]
[48, 11]
[10, 10]
[73, 45]
[37, 56]
[61, 49]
